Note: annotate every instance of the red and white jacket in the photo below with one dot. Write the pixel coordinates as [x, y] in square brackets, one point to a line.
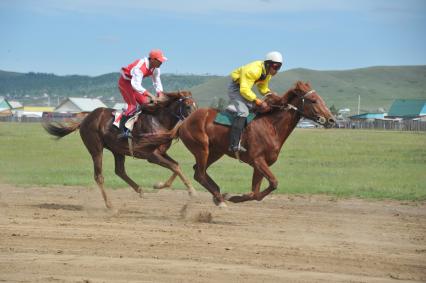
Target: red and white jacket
[138, 70]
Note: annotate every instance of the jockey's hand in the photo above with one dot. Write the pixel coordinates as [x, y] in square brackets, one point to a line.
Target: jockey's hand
[154, 100]
[160, 95]
[263, 107]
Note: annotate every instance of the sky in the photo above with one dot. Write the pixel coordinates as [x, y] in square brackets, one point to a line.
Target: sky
[94, 37]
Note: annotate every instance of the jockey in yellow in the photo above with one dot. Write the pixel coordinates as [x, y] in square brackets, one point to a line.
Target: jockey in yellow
[240, 92]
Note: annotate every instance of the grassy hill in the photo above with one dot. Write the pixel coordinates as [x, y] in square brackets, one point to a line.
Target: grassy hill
[377, 86]
[30, 87]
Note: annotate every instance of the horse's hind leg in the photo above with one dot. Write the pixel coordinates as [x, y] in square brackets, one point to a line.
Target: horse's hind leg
[95, 148]
[177, 171]
[120, 171]
[99, 178]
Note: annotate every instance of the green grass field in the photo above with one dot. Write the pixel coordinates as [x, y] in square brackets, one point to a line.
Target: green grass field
[342, 163]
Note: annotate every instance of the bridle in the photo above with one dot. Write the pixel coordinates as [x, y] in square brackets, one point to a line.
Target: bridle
[288, 106]
[180, 115]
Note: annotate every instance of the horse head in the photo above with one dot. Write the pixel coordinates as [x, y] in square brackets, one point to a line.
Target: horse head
[305, 101]
[180, 103]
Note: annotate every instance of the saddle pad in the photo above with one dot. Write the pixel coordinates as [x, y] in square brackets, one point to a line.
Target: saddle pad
[129, 124]
[225, 118]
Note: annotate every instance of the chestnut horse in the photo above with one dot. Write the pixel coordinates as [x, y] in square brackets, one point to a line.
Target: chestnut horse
[97, 133]
[263, 138]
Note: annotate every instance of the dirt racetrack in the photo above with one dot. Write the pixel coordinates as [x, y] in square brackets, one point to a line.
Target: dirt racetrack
[66, 235]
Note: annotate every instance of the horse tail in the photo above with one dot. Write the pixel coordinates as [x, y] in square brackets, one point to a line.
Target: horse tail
[161, 138]
[60, 130]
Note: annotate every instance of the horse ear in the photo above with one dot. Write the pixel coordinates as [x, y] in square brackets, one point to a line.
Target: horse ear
[299, 85]
[308, 85]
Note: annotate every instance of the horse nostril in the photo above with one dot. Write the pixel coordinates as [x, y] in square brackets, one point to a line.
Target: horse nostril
[331, 121]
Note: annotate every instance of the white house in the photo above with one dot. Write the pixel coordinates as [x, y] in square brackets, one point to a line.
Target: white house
[77, 105]
[120, 106]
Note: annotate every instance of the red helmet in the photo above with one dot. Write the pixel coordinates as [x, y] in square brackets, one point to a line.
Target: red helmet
[157, 54]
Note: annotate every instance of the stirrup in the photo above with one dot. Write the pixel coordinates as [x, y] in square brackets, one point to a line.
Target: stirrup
[236, 148]
[126, 134]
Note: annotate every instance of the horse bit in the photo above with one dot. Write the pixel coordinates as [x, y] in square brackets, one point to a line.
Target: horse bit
[289, 106]
[180, 115]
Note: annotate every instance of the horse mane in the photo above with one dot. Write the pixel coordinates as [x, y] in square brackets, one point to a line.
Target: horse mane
[298, 88]
[169, 98]
[177, 94]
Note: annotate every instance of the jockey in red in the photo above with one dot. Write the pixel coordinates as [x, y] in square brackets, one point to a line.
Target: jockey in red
[130, 84]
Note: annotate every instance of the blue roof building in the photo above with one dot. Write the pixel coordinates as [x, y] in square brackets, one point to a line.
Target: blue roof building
[368, 116]
[407, 108]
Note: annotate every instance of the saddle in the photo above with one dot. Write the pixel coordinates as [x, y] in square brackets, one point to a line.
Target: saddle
[227, 116]
[130, 123]
[147, 108]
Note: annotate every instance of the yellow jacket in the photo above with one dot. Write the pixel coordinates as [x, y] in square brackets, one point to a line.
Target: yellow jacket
[248, 75]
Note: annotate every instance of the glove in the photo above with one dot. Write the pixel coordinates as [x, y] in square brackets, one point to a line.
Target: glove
[261, 106]
[153, 98]
[160, 95]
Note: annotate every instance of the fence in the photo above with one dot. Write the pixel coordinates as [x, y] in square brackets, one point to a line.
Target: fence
[393, 125]
[46, 117]
[403, 125]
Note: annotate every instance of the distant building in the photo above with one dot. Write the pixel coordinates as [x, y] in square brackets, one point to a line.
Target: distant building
[5, 107]
[15, 104]
[32, 111]
[120, 106]
[367, 116]
[78, 105]
[408, 109]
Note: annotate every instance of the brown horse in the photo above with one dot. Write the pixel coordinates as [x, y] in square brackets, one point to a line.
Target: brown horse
[97, 133]
[263, 138]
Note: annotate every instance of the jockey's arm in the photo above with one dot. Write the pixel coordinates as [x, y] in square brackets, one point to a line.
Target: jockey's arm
[136, 81]
[247, 79]
[156, 82]
[263, 86]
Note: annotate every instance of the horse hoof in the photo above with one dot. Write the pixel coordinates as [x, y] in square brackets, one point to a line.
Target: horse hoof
[192, 192]
[159, 186]
[226, 196]
[109, 206]
[216, 201]
[113, 212]
[222, 205]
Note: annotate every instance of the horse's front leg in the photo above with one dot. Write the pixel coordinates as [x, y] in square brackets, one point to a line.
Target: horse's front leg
[264, 170]
[164, 160]
[256, 182]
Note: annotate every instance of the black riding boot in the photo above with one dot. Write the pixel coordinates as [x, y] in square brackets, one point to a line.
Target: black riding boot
[235, 135]
[125, 133]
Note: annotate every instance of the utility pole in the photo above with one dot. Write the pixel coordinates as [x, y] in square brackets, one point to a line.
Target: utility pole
[359, 102]
[48, 98]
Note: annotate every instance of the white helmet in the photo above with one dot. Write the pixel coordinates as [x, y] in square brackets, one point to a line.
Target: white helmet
[274, 56]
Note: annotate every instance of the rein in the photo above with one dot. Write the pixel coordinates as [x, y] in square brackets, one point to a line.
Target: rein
[288, 106]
